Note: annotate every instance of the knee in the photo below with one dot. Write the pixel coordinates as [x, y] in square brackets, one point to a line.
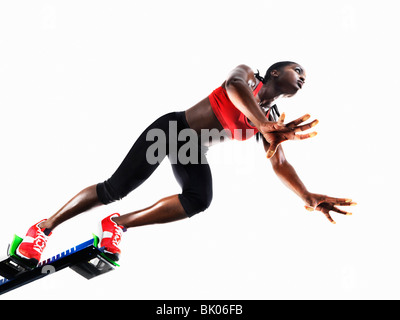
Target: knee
[195, 203]
[205, 202]
[107, 194]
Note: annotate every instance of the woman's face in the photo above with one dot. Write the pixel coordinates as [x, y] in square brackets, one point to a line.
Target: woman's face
[290, 79]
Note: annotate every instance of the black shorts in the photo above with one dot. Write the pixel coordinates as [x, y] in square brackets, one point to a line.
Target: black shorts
[190, 170]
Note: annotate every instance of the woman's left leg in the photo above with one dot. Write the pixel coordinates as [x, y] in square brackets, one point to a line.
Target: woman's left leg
[166, 210]
[196, 196]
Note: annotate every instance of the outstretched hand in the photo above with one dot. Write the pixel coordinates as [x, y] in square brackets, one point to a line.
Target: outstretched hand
[326, 204]
[277, 132]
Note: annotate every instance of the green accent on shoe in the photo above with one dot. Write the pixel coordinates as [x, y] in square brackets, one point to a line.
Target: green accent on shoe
[14, 245]
[30, 263]
[96, 242]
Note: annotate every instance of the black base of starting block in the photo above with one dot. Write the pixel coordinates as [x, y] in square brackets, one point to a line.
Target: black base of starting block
[86, 259]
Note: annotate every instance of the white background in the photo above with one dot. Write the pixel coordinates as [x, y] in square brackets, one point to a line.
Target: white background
[80, 80]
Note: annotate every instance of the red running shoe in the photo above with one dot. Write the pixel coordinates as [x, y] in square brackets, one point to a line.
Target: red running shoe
[112, 234]
[33, 244]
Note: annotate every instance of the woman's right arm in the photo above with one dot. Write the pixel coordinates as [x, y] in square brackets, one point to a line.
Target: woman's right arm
[239, 92]
[275, 133]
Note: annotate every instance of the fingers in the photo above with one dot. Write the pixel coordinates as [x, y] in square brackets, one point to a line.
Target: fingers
[324, 211]
[328, 216]
[271, 150]
[296, 128]
[341, 211]
[281, 119]
[305, 127]
[304, 136]
[296, 122]
[326, 208]
[341, 201]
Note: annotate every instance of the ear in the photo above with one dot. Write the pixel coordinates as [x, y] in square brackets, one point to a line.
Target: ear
[275, 73]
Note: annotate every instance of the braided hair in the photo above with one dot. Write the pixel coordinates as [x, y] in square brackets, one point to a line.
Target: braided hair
[276, 66]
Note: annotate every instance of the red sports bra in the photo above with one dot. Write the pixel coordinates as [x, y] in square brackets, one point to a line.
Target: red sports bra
[230, 117]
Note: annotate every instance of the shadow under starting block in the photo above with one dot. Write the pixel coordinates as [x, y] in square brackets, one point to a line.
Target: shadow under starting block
[86, 259]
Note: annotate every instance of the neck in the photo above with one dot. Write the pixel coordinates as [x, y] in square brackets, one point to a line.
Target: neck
[268, 94]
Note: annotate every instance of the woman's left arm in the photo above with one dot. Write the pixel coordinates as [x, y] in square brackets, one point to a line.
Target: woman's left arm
[313, 201]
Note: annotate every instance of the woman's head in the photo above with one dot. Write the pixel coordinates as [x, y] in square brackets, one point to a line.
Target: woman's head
[288, 76]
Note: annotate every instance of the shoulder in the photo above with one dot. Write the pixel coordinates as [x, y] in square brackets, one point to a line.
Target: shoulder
[245, 68]
[242, 72]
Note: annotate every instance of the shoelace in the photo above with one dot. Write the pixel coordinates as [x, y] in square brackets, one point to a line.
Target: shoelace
[40, 242]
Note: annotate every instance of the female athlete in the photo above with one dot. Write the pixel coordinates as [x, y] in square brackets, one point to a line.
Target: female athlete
[242, 107]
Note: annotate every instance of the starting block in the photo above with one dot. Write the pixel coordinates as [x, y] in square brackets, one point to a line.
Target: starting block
[87, 259]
